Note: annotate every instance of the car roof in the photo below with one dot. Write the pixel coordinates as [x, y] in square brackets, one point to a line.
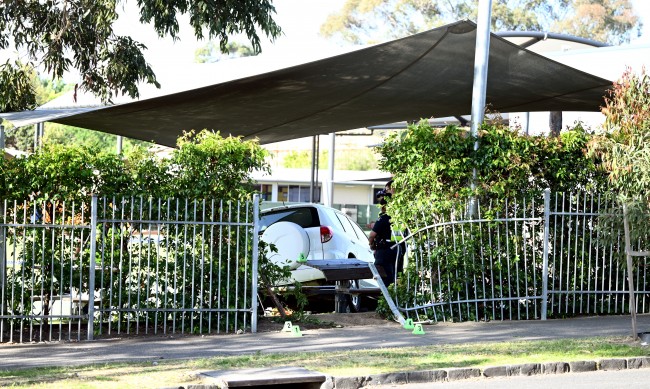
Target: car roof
[298, 205]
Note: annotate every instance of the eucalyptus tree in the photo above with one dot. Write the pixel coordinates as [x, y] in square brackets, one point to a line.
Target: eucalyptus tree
[625, 153]
[624, 147]
[211, 52]
[372, 21]
[64, 35]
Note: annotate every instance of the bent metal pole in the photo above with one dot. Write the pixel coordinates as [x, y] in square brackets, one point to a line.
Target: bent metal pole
[481, 56]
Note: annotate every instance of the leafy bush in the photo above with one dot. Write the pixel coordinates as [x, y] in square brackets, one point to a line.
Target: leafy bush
[433, 168]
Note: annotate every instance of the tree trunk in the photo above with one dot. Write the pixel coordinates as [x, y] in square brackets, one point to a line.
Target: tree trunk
[274, 297]
[555, 123]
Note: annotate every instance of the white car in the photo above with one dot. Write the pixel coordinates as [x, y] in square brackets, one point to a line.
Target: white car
[313, 232]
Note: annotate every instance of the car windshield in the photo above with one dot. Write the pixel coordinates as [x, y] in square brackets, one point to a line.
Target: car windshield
[304, 217]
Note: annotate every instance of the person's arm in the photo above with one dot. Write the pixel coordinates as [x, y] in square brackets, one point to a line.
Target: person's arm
[371, 238]
[378, 227]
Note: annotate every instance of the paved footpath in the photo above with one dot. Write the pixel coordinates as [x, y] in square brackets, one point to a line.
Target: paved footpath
[154, 348]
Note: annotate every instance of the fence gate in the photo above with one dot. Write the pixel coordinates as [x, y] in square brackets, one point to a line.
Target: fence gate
[488, 267]
[557, 256]
[587, 272]
[76, 270]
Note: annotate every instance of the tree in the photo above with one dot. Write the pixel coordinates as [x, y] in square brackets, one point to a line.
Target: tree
[610, 21]
[103, 141]
[211, 52]
[303, 159]
[48, 89]
[373, 21]
[624, 150]
[353, 159]
[21, 138]
[204, 165]
[210, 166]
[16, 90]
[624, 146]
[45, 90]
[76, 34]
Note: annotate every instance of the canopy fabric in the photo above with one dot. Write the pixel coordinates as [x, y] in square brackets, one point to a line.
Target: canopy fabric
[425, 75]
[40, 115]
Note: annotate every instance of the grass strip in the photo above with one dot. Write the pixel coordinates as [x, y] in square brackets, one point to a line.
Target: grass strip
[161, 373]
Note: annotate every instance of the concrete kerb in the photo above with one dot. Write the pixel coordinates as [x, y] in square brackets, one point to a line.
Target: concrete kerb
[455, 374]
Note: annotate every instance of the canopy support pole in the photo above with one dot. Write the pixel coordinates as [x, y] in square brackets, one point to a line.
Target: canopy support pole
[481, 58]
[315, 151]
[38, 134]
[329, 199]
[527, 123]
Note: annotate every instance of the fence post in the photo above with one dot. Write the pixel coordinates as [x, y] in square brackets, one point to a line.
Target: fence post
[630, 270]
[3, 257]
[547, 217]
[256, 230]
[91, 270]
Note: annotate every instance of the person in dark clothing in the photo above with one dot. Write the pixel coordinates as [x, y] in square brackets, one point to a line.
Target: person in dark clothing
[380, 238]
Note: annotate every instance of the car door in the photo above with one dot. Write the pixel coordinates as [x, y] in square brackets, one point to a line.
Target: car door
[365, 251]
[358, 241]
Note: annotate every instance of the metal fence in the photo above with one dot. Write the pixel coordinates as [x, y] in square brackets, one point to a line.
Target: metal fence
[75, 270]
[72, 271]
[555, 256]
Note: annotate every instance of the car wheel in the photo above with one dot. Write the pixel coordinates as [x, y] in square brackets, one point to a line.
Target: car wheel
[291, 242]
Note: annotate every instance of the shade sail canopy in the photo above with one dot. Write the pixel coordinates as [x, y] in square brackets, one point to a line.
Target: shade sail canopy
[26, 118]
[425, 75]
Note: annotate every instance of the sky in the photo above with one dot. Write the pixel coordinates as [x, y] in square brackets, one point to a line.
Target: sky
[299, 19]
[642, 8]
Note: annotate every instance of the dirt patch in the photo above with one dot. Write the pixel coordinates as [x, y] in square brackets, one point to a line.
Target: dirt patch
[325, 320]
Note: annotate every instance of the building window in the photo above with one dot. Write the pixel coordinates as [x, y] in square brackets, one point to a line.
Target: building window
[283, 193]
[266, 191]
[297, 193]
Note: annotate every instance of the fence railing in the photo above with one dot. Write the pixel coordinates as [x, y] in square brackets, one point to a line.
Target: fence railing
[127, 265]
[553, 256]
